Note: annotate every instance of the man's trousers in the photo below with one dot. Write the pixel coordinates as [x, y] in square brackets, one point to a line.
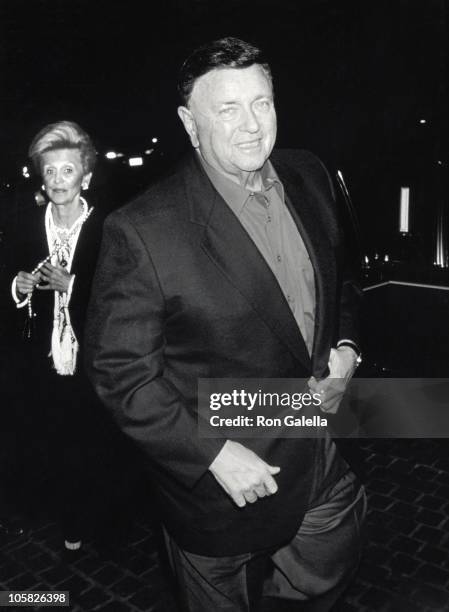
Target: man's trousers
[314, 568]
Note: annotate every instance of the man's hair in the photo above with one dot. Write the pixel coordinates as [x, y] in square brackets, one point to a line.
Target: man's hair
[63, 135]
[226, 52]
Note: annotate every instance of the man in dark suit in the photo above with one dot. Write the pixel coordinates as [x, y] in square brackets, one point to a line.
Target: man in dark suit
[231, 266]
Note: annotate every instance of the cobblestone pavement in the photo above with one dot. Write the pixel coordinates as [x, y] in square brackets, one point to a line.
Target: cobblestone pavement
[405, 567]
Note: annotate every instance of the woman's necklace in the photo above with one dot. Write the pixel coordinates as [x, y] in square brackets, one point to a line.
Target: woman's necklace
[61, 236]
[61, 249]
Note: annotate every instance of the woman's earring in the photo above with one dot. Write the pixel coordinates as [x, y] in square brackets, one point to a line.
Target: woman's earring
[43, 187]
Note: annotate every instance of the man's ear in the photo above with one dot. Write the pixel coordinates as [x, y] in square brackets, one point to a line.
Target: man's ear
[189, 123]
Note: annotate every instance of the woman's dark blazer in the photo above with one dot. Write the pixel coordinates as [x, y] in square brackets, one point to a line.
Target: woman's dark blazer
[26, 247]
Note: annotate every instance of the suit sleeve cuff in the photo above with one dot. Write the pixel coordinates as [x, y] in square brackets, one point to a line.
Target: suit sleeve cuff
[19, 303]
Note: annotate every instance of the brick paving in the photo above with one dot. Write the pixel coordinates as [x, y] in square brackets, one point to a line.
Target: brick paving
[131, 577]
[405, 566]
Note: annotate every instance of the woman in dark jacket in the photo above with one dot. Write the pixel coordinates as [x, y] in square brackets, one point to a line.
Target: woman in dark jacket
[55, 253]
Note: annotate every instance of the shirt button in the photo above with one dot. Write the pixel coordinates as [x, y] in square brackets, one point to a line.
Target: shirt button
[268, 219]
[279, 258]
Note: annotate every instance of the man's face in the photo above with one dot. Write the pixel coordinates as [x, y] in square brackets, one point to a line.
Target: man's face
[231, 118]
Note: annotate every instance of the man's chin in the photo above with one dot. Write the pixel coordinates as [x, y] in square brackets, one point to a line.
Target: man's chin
[251, 163]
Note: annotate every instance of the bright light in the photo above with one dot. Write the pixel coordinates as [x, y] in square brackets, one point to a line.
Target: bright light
[135, 161]
[149, 151]
[386, 258]
[439, 162]
[422, 121]
[111, 155]
[25, 170]
[404, 210]
[154, 140]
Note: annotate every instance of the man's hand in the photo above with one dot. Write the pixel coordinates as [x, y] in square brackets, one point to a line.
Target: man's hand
[243, 475]
[26, 282]
[342, 364]
[56, 278]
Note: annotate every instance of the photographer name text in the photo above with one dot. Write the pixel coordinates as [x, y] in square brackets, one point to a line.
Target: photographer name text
[289, 420]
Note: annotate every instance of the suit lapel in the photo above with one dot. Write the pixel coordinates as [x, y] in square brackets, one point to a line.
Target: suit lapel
[234, 253]
[304, 206]
[83, 250]
[88, 245]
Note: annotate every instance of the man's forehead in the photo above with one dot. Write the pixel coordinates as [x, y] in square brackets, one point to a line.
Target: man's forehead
[224, 83]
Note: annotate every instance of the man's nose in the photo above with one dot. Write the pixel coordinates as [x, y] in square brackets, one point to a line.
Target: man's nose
[250, 122]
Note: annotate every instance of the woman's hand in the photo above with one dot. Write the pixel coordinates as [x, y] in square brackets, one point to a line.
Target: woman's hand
[56, 278]
[26, 282]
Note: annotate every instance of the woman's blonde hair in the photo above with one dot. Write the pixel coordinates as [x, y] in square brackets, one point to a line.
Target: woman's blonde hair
[63, 135]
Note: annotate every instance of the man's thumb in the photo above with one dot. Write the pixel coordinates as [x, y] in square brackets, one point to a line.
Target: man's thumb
[274, 469]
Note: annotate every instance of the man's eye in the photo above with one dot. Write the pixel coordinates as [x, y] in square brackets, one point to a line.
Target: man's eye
[263, 105]
[49, 171]
[228, 112]
[68, 170]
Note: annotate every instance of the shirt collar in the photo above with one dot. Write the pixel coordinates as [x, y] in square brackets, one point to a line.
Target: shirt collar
[235, 195]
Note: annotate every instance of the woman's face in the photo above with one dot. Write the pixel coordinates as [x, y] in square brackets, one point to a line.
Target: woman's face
[63, 175]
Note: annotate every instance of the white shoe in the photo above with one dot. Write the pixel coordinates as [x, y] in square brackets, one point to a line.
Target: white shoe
[72, 545]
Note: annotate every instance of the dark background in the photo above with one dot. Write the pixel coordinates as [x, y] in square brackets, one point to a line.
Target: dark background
[352, 78]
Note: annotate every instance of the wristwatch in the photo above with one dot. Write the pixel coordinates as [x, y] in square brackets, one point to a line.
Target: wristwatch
[354, 347]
